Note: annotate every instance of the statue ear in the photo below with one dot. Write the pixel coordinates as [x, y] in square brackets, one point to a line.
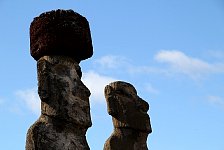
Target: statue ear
[43, 68]
[112, 102]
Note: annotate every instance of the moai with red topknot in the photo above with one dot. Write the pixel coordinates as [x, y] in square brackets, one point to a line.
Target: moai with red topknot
[59, 40]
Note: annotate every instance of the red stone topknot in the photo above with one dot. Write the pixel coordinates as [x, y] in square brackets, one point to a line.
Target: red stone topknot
[61, 32]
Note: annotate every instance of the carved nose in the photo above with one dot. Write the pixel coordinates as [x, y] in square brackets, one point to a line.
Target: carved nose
[143, 105]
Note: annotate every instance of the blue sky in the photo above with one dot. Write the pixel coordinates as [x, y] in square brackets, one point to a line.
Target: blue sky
[171, 51]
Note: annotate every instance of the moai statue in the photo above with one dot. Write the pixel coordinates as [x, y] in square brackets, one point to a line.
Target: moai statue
[130, 119]
[59, 40]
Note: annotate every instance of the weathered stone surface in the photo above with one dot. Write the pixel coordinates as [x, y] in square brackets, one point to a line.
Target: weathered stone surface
[130, 119]
[65, 110]
[61, 32]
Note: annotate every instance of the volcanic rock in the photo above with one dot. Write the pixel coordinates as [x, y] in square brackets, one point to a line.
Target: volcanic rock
[130, 119]
[61, 32]
[65, 109]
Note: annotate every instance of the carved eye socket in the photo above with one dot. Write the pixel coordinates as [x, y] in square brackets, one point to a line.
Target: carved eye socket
[119, 91]
[62, 70]
[123, 93]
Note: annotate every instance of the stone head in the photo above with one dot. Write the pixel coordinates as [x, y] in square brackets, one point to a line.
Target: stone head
[127, 109]
[61, 91]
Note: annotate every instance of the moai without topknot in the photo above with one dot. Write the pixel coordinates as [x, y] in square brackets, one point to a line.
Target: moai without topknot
[130, 119]
[59, 40]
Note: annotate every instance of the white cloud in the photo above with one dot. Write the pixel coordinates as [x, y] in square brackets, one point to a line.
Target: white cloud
[111, 61]
[16, 109]
[176, 62]
[96, 84]
[149, 88]
[195, 68]
[2, 101]
[146, 70]
[120, 63]
[216, 100]
[30, 98]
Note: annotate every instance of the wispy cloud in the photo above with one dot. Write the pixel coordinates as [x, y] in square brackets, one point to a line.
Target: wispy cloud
[146, 70]
[166, 62]
[96, 84]
[111, 61]
[149, 88]
[178, 62]
[2, 101]
[120, 63]
[216, 100]
[16, 109]
[30, 98]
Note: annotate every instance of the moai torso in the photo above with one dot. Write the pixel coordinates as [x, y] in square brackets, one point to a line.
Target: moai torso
[65, 109]
[130, 119]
